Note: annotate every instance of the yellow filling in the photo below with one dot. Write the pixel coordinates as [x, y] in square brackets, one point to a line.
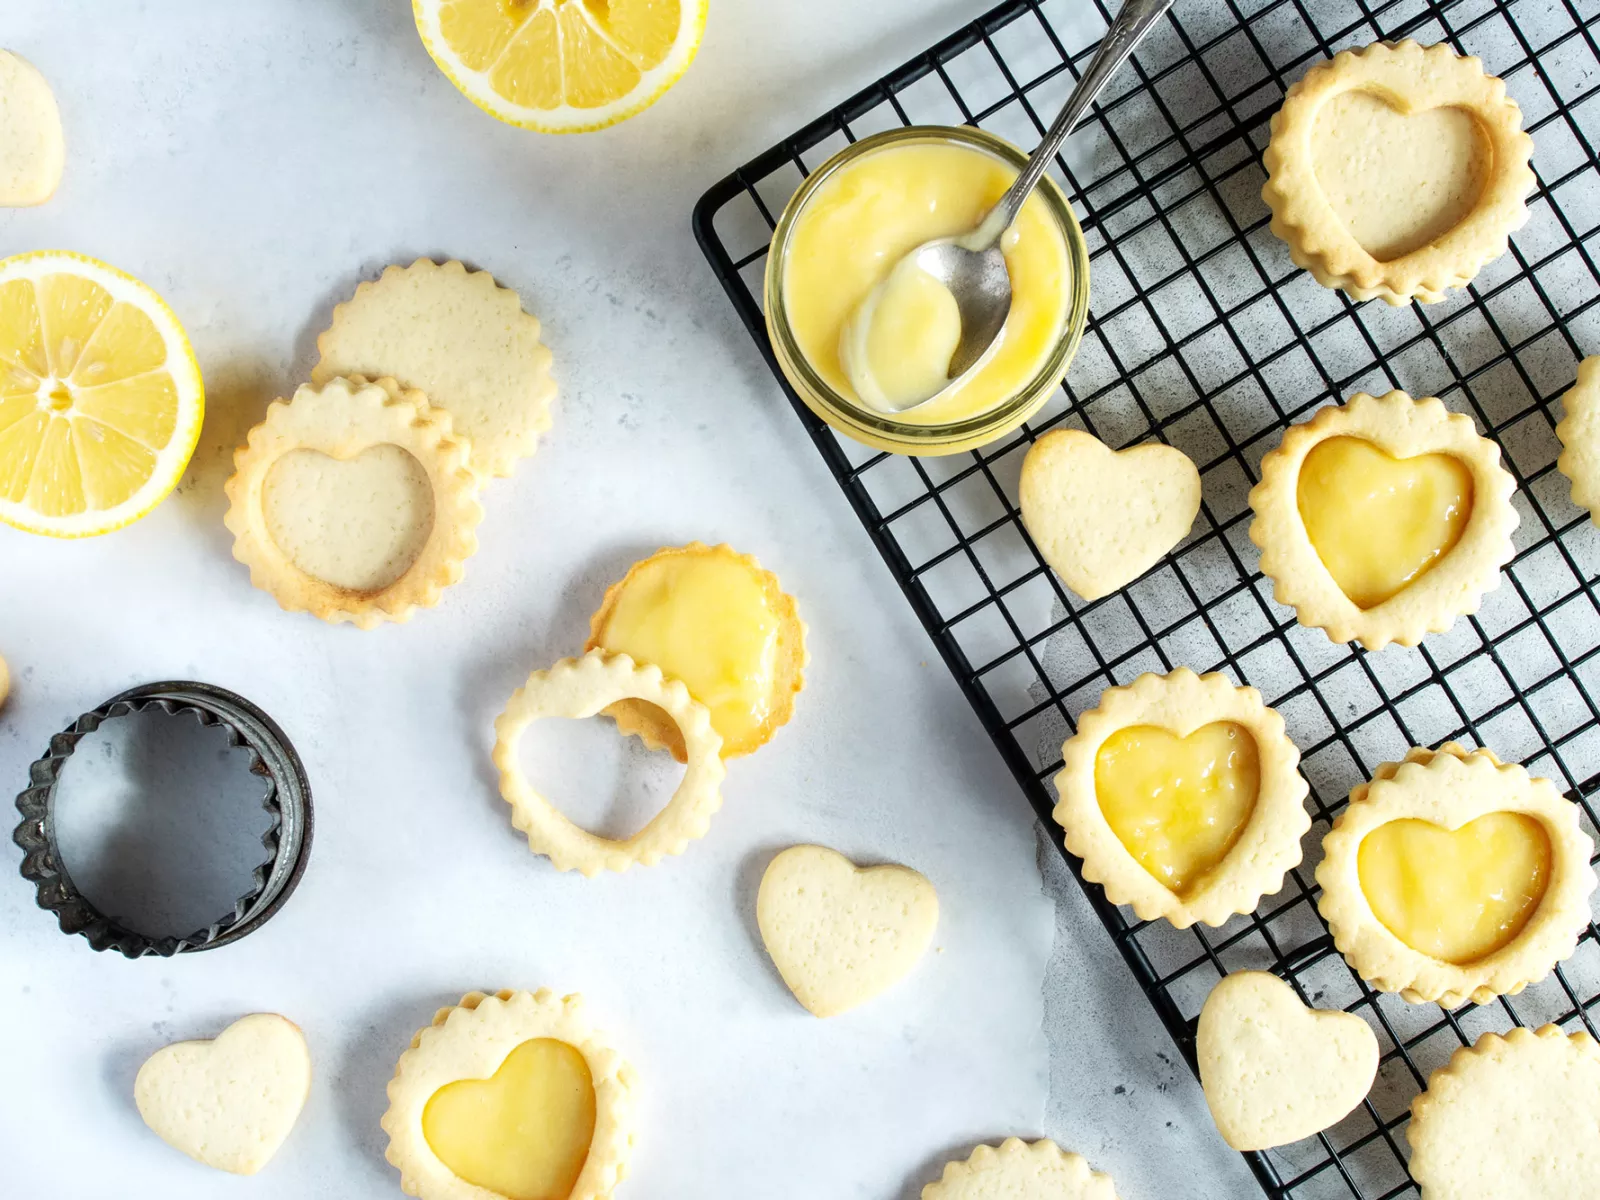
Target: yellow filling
[897, 345]
[1456, 896]
[703, 619]
[1178, 804]
[1398, 182]
[525, 1132]
[1380, 523]
[870, 214]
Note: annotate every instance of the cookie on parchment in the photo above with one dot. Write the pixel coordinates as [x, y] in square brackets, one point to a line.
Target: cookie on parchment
[1020, 1171]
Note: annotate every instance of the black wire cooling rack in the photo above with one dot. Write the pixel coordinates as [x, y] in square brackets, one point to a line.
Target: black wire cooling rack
[1204, 335]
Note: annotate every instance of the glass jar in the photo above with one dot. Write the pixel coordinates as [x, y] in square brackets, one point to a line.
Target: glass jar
[883, 430]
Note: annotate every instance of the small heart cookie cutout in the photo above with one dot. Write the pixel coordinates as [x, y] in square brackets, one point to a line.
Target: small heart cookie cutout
[841, 934]
[231, 1102]
[1101, 517]
[1275, 1071]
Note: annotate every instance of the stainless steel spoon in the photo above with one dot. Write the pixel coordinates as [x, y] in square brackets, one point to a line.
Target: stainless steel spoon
[972, 266]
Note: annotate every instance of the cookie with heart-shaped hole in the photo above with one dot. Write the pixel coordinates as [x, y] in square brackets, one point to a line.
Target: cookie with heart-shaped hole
[1579, 432]
[1452, 876]
[1384, 519]
[1182, 795]
[1397, 171]
[229, 1102]
[1102, 517]
[354, 502]
[514, 1094]
[1275, 1071]
[1018, 1170]
[1514, 1116]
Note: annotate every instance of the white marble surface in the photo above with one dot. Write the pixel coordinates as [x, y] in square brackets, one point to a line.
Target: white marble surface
[253, 162]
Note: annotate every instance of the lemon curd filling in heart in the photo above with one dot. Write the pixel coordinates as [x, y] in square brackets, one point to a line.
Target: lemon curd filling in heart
[1460, 895]
[525, 1132]
[1178, 804]
[707, 621]
[1398, 181]
[356, 523]
[1380, 523]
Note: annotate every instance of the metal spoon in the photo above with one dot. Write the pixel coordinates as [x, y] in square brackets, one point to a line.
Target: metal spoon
[972, 265]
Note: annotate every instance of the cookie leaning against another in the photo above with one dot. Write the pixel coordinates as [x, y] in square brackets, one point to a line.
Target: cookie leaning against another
[1101, 517]
[1019, 1171]
[463, 341]
[228, 1103]
[1579, 432]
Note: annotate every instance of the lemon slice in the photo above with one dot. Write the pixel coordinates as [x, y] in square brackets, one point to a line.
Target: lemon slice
[100, 396]
[562, 66]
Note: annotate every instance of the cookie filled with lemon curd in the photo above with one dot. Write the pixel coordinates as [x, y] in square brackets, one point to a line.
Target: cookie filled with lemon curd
[715, 620]
[840, 239]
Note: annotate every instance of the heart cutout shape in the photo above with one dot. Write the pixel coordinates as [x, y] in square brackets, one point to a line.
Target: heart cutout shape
[1274, 1071]
[230, 1102]
[1398, 179]
[524, 1133]
[1456, 895]
[1100, 517]
[1380, 523]
[356, 523]
[841, 934]
[1178, 804]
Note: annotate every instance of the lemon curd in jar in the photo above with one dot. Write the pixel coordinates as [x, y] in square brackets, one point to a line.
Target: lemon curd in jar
[844, 234]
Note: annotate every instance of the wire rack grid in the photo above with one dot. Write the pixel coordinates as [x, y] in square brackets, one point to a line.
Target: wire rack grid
[1204, 335]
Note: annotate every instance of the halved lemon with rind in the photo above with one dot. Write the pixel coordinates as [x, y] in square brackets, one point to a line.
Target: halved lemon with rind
[562, 66]
[100, 396]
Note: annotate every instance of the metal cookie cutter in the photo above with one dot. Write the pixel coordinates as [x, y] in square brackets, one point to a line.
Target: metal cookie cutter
[287, 799]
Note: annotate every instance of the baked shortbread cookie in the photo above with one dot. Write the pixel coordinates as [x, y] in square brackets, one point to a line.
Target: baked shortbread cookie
[1453, 876]
[32, 148]
[459, 338]
[1579, 432]
[840, 934]
[1019, 1171]
[5, 682]
[230, 1102]
[1514, 1117]
[354, 502]
[1384, 519]
[1275, 1071]
[1397, 171]
[1182, 794]
[1101, 517]
[510, 1095]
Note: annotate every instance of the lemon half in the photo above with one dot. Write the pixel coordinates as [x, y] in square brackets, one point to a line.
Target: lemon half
[100, 396]
[562, 66]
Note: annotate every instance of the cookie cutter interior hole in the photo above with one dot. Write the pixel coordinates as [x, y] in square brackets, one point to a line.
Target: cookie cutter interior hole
[602, 780]
[160, 822]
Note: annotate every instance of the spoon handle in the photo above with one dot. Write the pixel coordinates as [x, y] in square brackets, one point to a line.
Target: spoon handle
[1128, 29]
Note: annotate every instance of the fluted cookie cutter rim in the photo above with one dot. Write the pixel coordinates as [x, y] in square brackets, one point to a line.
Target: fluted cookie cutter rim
[287, 800]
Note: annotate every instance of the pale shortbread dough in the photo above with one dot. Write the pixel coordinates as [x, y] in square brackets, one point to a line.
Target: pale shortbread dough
[231, 1102]
[32, 149]
[1101, 518]
[1579, 432]
[1275, 1071]
[1019, 1171]
[841, 934]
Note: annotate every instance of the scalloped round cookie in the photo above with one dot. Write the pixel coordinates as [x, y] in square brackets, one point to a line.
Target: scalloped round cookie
[1020, 1171]
[490, 1073]
[461, 339]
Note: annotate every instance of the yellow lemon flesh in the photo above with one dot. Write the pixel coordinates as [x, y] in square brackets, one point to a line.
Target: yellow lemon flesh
[525, 1132]
[1459, 895]
[1380, 523]
[100, 397]
[1178, 804]
[562, 66]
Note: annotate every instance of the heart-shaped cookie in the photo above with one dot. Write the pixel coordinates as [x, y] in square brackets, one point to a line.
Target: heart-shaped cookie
[228, 1103]
[841, 934]
[1397, 171]
[32, 151]
[1275, 1071]
[1101, 517]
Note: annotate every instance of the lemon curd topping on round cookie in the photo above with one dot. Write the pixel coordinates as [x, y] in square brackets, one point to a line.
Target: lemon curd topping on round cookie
[1378, 522]
[524, 1132]
[1178, 804]
[1456, 895]
[717, 622]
